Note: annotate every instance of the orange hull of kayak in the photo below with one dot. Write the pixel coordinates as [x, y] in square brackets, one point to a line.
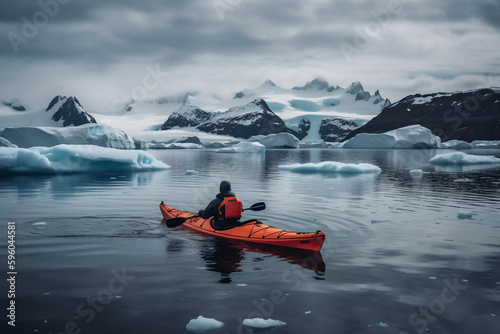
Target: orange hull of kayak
[252, 231]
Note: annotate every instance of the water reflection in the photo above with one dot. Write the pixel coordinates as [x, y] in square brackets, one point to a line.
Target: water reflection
[226, 256]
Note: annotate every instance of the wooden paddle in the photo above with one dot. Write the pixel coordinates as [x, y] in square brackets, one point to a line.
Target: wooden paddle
[178, 221]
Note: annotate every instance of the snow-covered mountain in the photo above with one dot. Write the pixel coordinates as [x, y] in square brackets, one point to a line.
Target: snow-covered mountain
[252, 119]
[186, 116]
[68, 111]
[62, 111]
[302, 109]
[467, 116]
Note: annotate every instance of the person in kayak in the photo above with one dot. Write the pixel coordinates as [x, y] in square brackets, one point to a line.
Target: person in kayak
[226, 208]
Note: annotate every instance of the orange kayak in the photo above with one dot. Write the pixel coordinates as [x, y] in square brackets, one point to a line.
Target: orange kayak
[249, 231]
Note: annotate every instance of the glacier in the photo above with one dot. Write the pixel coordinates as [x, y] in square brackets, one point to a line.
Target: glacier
[75, 159]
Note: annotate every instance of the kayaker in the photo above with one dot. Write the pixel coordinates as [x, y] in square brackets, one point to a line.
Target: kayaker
[226, 208]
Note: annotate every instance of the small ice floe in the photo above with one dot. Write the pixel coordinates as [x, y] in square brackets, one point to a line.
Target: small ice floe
[39, 225]
[331, 167]
[382, 325]
[46, 293]
[307, 312]
[241, 284]
[263, 323]
[416, 173]
[202, 324]
[118, 296]
[493, 314]
[463, 180]
[245, 147]
[192, 172]
[464, 215]
[460, 158]
[432, 277]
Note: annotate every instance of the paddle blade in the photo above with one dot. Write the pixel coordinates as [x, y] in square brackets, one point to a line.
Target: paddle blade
[257, 206]
[175, 222]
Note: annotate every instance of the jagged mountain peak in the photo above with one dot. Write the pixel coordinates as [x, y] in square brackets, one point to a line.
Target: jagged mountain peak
[268, 83]
[69, 111]
[318, 83]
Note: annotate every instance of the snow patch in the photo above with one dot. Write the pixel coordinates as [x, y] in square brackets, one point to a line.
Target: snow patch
[75, 159]
[460, 158]
[202, 324]
[331, 167]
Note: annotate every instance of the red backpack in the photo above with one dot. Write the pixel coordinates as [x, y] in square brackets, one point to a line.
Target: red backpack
[230, 208]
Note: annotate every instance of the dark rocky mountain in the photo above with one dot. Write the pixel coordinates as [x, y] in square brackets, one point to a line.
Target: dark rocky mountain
[468, 116]
[333, 129]
[69, 111]
[186, 116]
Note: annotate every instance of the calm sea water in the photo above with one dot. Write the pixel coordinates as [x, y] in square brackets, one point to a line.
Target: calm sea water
[402, 254]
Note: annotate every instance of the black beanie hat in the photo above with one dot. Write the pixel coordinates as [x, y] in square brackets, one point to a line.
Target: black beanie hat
[225, 186]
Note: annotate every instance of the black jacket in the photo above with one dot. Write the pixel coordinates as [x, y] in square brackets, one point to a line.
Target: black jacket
[212, 209]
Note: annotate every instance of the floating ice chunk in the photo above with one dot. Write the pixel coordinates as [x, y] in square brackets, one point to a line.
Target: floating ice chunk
[241, 284]
[75, 159]
[39, 225]
[192, 172]
[416, 173]
[202, 324]
[277, 140]
[432, 277]
[456, 144]
[245, 147]
[460, 158]
[464, 215]
[486, 144]
[262, 323]
[307, 312]
[331, 167]
[382, 325]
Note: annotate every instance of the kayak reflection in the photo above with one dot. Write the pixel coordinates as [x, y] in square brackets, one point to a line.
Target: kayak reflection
[225, 256]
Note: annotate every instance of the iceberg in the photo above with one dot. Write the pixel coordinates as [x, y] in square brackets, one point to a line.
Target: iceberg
[409, 137]
[244, 147]
[202, 324]
[75, 159]
[277, 140]
[331, 167]
[456, 145]
[87, 134]
[486, 144]
[262, 323]
[460, 158]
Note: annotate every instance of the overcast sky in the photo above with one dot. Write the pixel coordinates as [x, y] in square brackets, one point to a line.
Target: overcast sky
[103, 50]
